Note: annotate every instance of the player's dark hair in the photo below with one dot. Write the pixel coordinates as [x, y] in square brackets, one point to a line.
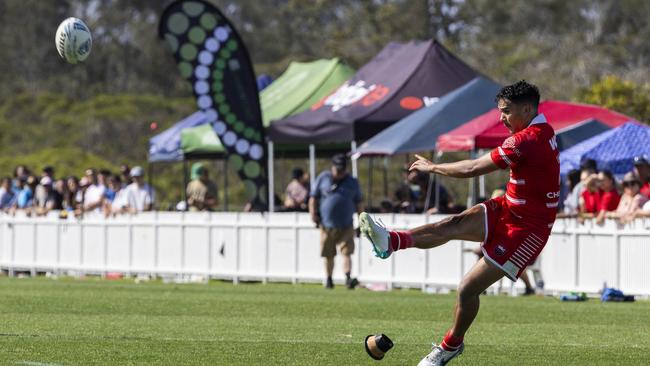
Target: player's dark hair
[520, 92]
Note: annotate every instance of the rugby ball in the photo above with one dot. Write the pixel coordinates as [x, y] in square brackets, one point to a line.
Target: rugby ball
[73, 40]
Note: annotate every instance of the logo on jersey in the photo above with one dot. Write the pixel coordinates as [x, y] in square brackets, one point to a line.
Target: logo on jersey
[509, 143]
[552, 195]
[499, 250]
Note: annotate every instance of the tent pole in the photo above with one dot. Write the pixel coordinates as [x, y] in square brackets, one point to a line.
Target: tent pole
[437, 159]
[369, 194]
[481, 181]
[185, 182]
[271, 188]
[225, 184]
[150, 168]
[312, 166]
[386, 177]
[353, 148]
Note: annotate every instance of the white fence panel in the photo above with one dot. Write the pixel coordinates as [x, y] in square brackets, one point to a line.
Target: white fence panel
[286, 247]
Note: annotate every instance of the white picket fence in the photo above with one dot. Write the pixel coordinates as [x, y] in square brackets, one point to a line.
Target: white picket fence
[285, 247]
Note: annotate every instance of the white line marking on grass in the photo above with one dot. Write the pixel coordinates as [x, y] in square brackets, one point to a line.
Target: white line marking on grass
[33, 363]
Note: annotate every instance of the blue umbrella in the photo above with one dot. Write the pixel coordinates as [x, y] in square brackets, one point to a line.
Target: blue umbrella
[613, 150]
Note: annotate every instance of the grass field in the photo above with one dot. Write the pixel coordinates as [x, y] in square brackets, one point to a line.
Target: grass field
[97, 322]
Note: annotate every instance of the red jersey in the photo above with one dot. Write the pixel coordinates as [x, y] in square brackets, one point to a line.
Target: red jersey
[609, 200]
[645, 189]
[533, 158]
[592, 201]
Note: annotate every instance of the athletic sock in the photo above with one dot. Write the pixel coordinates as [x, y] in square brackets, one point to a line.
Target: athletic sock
[450, 342]
[400, 240]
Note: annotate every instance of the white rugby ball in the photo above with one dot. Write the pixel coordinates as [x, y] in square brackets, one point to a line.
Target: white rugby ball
[73, 40]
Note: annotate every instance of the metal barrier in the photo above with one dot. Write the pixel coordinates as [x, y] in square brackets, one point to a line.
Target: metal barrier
[285, 247]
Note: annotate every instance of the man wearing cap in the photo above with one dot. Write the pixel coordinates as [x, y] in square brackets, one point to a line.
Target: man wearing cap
[202, 194]
[642, 171]
[139, 195]
[334, 199]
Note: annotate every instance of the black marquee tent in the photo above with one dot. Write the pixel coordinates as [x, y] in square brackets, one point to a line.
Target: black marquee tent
[402, 78]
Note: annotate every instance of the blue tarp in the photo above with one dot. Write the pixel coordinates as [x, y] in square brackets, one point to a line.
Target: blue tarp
[574, 134]
[419, 131]
[263, 81]
[612, 150]
[166, 146]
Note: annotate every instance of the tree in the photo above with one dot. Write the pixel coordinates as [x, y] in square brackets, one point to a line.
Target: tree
[624, 96]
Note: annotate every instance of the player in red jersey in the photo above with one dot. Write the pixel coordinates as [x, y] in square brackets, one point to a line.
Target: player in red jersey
[513, 229]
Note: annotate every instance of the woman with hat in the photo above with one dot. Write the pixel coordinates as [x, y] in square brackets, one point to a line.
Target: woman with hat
[631, 200]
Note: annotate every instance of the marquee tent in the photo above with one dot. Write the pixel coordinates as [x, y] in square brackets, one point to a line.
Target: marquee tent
[201, 142]
[166, 146]
[300, 86]
[420, 130]
[486, 131]
[574, 134]
[612, 150]
[402, 78]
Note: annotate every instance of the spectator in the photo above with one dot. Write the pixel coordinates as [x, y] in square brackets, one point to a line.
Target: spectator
[7, 196]
[116, 201]
[406, 194]
[59, 191]
[335, 197]
[590, 196]
[572, 202]
[642, 171]
[202, 193]
[93, 197]
[631, 200]
[20, 171]
[139, 195]
[125, 175]
[297, 191]
[609, 196]
[25, 197]
[40, 195]
[50, 200]
[420, 186]
[642, 212]
[72, 196]
[566, 187]
[102, 178]
[386, 206]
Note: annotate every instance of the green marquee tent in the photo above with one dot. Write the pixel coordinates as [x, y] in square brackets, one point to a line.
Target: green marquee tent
[201, 142]
[300, 86]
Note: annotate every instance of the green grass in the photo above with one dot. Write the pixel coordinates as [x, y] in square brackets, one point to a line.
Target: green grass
[95, 322]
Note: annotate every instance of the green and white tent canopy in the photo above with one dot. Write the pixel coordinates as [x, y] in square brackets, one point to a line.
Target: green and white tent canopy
[300, 86]
[201, 142]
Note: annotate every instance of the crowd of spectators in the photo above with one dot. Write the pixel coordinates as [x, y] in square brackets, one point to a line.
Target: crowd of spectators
[97, 191]
[593, 194]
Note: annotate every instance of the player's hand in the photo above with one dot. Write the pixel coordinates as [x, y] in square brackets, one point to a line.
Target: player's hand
[422, 165]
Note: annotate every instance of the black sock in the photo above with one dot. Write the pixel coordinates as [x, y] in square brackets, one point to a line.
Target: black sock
[347, 276]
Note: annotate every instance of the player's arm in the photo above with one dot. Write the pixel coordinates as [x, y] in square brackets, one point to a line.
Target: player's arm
[459, 169]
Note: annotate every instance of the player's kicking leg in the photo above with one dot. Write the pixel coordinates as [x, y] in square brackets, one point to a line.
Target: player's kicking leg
[468, 225]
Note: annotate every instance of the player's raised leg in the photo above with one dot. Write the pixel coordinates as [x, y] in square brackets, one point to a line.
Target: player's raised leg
[468, 225]
[477, 280]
